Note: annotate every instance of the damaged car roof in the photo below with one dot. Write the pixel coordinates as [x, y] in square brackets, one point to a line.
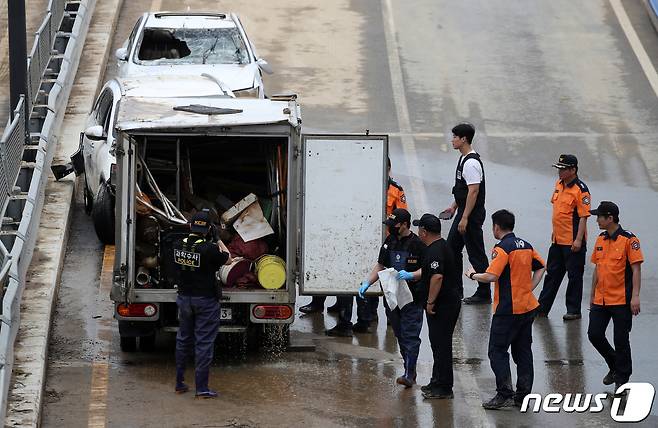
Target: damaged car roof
[189, 20]
[138, 113]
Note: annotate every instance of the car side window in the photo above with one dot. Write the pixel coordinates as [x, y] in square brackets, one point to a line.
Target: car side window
[97, 104]
[104, 109]
[133, 33]
[106, 122]
[113, 117]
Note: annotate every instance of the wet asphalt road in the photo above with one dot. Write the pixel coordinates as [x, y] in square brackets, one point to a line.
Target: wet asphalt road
[536, 79]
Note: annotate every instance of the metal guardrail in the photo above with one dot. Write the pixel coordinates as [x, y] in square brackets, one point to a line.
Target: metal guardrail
[39, 57]
[11, 153]
[4, 189]
[40, 54]
[8, 280]
[56, 9]
[12, 143]
[22, 176]
[5, 260]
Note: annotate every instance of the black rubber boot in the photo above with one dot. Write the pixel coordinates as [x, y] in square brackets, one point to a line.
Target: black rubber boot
[340, 331]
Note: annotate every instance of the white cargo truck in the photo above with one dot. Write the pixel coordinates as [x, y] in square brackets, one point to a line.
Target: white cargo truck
[322, 195]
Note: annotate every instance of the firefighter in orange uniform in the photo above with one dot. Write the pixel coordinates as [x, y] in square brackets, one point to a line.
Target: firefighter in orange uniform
[395, 195]
[395, 199]
[571, 204]
[615, 292]
[517, 269]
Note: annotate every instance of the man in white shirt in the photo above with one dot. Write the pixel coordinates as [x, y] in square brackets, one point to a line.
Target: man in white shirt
[469, 193]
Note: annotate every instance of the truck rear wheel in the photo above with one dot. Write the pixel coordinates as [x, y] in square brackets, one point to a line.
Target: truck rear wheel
[254, 337]
[102, 214]
[128, 344]
[147, 343]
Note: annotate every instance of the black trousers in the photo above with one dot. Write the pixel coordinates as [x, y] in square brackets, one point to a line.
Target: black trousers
[407, 323]
[318, 301]
[441, 327]
[474, 243]
[373, 302]
[513, 331]
[619, 357]
[561, 261]
[363, 310]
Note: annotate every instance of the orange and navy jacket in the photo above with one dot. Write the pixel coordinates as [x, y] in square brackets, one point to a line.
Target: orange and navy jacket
[570, 202]
[395, 197]
[613, 256]
[514, 260]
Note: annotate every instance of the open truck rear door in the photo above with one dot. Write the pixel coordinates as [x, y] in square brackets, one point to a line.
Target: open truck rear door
[125, 209]
[343, 204]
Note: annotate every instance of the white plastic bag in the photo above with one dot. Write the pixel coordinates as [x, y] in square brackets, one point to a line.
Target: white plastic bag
[396, 291]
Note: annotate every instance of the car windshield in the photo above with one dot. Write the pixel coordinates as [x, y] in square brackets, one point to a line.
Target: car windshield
[163, 46]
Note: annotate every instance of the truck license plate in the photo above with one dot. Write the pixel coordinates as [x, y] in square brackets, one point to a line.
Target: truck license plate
[226, 314]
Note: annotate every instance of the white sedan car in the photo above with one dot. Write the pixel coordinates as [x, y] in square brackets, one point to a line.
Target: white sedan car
[95, 157]
[191, 44]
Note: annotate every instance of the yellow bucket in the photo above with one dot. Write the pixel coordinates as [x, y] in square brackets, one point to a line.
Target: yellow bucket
[271, 272]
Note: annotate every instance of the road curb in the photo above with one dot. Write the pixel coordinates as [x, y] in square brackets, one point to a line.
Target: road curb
[42, 281]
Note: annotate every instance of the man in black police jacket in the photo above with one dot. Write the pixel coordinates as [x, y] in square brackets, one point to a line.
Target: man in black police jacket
[403, 251]
[442, 301]
[196, 259]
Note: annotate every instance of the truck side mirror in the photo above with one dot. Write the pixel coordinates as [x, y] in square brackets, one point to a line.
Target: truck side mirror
[95, 133]
[121, 54]
[264, 66]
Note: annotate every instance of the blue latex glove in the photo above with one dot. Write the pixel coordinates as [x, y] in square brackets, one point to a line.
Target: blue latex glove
[362, 290]
[407, 276]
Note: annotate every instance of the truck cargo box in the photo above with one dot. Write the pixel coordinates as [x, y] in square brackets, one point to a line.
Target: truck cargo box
[321, 196]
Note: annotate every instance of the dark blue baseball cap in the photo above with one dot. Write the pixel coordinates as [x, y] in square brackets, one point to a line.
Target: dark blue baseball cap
[399, 215]
[200, 222]
[429, 222]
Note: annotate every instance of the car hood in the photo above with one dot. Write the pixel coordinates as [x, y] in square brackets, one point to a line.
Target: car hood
[170, 84]
[236, 76]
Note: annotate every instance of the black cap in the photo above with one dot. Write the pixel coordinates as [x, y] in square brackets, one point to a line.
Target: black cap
[429, 222]
[200, 222]
[399, 215]
[566, 161]
[606, 208]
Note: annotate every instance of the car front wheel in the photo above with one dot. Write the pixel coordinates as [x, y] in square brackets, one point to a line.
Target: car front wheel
[102, 214]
